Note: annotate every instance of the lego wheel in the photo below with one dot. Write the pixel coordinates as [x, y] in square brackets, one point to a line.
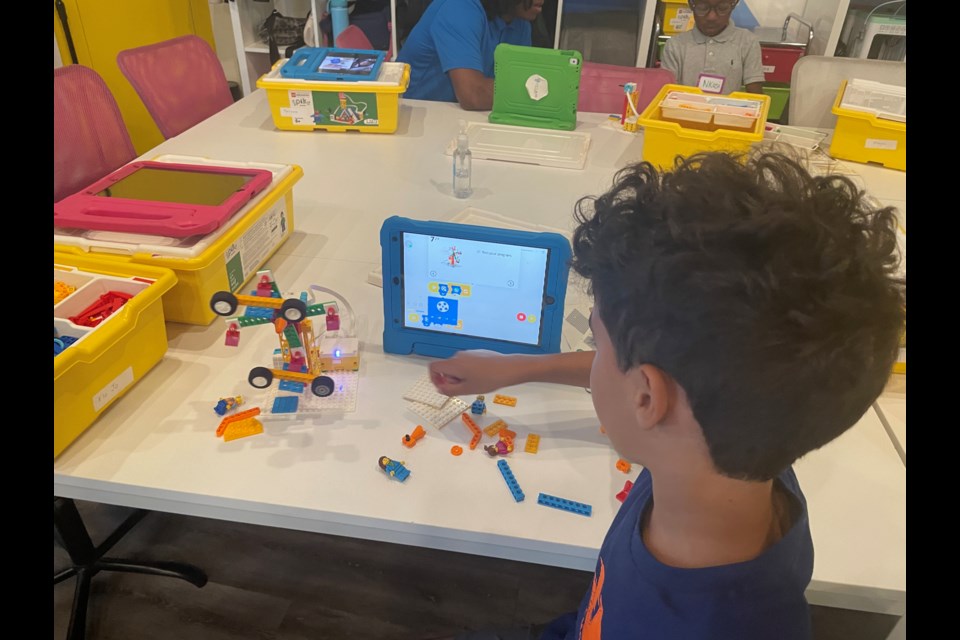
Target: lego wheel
[322, 386]
[223, 303]
[260, 377]
[293, 310]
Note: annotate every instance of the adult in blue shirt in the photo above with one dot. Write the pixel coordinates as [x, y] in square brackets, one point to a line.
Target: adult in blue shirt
[450, 50]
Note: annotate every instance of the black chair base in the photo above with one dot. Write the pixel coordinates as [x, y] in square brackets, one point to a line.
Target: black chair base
[89, 560]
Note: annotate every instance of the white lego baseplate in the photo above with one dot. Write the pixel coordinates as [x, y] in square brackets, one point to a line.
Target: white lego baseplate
[438, 418]
[424, 391]
[343, 398]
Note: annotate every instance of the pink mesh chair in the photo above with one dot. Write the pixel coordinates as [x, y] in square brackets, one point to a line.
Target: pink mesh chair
[180, 81]
[90, 139]
[353, 37]
[601, 86]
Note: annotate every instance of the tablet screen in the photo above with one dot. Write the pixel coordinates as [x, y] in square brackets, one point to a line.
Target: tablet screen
[359, 64]
[473, 288]
[177, 185]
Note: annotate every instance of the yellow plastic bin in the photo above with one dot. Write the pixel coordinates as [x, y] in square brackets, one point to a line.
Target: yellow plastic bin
[310, 105]
[664, 140]
[223, 260]
[677, 18]
[864, 137]
[106, 360]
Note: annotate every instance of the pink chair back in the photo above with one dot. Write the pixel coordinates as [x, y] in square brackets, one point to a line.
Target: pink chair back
[601, 86]
[90, 139]
[353, 37]
[180, 81]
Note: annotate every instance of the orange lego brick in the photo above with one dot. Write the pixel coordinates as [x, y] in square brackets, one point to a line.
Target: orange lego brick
[456, 449]
[623, 465]
[411, 439]
[242, 429]
[477, 433]
[495, 428]
[509, 401]
[237, 417]
[474, 441]
[533, 443]
[506, 433]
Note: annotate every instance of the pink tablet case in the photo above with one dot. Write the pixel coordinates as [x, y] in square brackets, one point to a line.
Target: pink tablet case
[86, 210]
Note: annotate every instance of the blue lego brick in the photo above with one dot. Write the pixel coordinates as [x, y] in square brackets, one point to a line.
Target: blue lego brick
[285, 404]
[564, 505]
[512, 483]
[478, 408]
[291, 385]
[258, 312]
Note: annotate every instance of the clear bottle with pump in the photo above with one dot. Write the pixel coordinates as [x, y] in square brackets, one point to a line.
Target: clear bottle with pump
[462, 164]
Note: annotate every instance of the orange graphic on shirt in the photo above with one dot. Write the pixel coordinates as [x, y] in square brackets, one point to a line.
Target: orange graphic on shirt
[590, 628]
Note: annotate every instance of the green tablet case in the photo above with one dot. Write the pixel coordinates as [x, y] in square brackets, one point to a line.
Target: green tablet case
[535, 87]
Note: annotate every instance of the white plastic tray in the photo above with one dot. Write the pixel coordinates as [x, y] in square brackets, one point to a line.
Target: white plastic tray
[526, 145]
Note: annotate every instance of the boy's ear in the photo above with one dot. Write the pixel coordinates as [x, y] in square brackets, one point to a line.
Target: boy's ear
[651, 394]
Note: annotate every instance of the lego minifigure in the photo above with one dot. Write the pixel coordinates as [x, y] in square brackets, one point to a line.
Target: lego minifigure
[478, 407]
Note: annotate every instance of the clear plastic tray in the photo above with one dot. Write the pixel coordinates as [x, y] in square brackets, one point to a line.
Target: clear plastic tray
[526, 145]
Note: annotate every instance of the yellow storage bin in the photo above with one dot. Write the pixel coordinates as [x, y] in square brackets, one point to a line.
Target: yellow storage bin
[308, 105]
[677, 17]
[664, 140]
[863, 137]
[223, 260]
[105, 360]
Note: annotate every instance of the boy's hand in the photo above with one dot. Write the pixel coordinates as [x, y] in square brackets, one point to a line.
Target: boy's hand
[471, 372]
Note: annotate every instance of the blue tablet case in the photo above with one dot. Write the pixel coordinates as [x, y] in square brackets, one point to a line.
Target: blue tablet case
[305, 63]
[398, 338]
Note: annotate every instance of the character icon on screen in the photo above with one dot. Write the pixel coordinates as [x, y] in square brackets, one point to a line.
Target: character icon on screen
[442, 306]
[443, 289]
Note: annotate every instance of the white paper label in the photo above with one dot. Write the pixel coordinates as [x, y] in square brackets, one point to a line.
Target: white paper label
[769, 68]
[537, 87]
[875, 143]
[112, 389]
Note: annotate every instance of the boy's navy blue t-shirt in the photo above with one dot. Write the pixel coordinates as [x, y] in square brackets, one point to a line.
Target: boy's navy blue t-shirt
[455, 34]
[636, 596]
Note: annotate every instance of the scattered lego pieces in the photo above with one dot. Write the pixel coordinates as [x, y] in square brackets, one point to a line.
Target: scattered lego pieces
[333, 320]
[394, 469]
[411, 438]
[291, 385]
[477, 433]
[507, 434]
[499, 448]
[512, 483]
[61, 290]
[242, 429]
[509, 401]
[233, 335]
[494, 429]
[285, 404]
[102, 309]
[456, 449]
[227, 404]
[623, 465]
[565, 505]
[479, 407]
[533, 443]
[237, 417]
[625, 491]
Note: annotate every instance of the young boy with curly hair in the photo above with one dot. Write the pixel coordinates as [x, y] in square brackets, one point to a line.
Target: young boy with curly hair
[745, 314]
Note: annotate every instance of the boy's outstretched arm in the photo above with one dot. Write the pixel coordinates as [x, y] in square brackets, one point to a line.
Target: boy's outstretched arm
[482, 371]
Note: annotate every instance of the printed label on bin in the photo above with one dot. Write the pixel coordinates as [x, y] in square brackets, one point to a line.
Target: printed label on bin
[250, 250]
[113, 388]
[332, 108]
[876, 143]
[769, 68]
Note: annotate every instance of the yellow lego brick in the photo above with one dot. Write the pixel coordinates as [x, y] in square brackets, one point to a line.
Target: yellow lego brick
[509, 401]
[495, 428]
[242, 429]
[533, 443]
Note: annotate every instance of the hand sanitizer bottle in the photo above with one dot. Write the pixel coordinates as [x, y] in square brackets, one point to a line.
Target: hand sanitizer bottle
[462, 161]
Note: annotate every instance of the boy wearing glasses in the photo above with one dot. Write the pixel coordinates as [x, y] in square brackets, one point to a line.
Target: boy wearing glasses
[715, 55]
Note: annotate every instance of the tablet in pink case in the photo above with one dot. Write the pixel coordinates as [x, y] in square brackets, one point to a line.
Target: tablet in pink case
[162, 199]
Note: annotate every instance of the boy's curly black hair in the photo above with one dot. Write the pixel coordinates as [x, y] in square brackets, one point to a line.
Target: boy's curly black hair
[772, 297]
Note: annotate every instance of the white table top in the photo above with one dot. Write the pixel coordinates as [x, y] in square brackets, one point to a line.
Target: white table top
[156, 447]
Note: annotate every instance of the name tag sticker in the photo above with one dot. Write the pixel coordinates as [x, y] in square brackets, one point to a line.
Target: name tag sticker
[710, 83]
[875, 143]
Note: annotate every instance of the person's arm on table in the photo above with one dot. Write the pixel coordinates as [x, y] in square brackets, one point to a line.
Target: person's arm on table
[474, 90]
[482, 371]
[753, 75]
